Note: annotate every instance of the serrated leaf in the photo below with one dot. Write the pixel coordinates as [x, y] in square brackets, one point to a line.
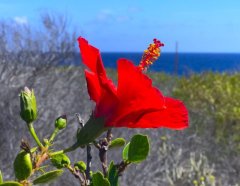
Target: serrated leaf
[1, 177]
[47, 177]
[113, 174]
[125, 152]
[118, 142]
[10, 183]
[60, 161]
[99, 180]
[138, 148]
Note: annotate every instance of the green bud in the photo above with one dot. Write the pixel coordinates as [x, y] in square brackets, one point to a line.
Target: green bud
[195, 182]
[60, 160]
[61, 122]
[28, 105]
[81, 166]
[22, 165]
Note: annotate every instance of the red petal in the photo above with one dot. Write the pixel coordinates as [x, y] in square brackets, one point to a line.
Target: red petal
[135, 92]
[94, 90]
[104, 94]
[175, 116]
[91, 57]
[100, 88]
[108, 99]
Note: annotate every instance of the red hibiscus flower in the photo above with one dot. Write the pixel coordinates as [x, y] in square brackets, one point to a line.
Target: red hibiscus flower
[134, 103]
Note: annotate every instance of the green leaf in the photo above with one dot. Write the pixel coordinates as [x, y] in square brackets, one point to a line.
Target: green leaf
[91, 130]
[1, 177]
[118, 142]
[125, 152]
[138, 148]
[113, 174]
[99, 180]
[60, 161]
[47, 177]
[10, 183]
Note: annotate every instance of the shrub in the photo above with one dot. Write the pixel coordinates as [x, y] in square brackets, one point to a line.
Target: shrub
[215, 99]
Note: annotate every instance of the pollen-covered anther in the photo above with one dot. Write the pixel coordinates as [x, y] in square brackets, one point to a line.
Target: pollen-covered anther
[151, 54]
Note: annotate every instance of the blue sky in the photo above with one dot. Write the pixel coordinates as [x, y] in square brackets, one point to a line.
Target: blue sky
[130, 25]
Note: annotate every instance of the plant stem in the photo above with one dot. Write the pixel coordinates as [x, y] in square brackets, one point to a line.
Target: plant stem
[89, 162]
[104, 143]
[77, 174]
[109, 135]
[1, 177]
[56, 130]
[43, 158]
[121, 167]
[72, 148]
[34, 135]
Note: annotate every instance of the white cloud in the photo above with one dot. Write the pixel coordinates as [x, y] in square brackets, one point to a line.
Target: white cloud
[122, 18]
[134, 9]
[107, 16]
[22, 20]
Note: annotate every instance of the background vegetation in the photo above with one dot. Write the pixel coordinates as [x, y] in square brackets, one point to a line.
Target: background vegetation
[205, 154]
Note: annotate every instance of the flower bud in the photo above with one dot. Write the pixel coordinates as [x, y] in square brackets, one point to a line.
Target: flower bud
[23, 165]
[81, 166]
[28, 105]
[60, 160]
[61, 122]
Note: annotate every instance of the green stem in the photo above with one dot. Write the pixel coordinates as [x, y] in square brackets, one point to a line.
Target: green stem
[34, 135]
[72, 148]
[56, 130]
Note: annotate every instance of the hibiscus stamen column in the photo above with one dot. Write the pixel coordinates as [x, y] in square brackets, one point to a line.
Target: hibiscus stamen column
[151, 54]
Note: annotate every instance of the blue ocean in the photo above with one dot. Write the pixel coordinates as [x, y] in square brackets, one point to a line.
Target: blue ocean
[182, 63]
